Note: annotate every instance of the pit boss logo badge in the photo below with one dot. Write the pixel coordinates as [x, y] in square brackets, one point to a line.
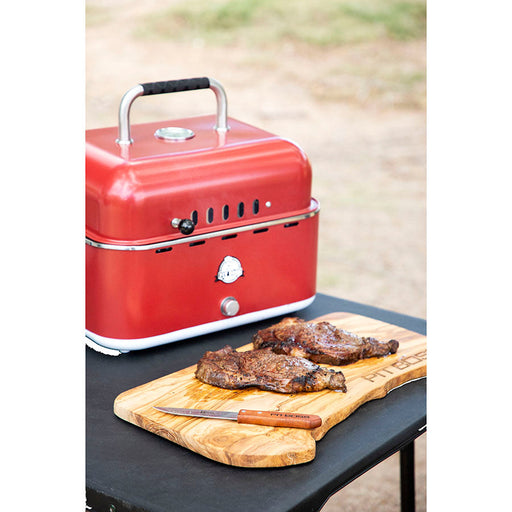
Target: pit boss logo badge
[229, 270]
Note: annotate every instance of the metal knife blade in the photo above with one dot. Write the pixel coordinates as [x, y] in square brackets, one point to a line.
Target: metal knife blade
[269, 418]
[199, 413]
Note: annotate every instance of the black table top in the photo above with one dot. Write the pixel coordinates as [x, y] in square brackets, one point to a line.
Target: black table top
[135, 470]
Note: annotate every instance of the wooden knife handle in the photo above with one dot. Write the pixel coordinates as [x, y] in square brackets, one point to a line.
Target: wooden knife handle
[279, 419]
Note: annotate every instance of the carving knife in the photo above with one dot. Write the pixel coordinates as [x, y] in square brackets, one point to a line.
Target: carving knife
[270, 418]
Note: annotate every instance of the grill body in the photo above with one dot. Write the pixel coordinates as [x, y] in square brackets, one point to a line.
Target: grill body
[252, 253]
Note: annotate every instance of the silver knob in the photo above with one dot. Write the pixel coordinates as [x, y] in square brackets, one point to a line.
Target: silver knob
[229, 306]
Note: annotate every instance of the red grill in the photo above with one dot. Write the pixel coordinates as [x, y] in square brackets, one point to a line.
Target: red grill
[193, 225]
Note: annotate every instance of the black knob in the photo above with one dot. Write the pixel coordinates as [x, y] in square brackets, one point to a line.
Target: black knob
[186, 226]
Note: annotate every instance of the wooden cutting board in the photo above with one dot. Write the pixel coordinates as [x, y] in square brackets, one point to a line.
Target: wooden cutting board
[260, 446]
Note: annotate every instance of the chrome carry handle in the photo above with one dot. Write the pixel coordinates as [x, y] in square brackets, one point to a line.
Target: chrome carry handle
[188, 84]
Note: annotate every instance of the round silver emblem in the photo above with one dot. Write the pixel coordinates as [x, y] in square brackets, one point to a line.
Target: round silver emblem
[174, 133]
[230, 270]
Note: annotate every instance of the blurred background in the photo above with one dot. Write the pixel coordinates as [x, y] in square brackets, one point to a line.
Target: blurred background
[345, 80]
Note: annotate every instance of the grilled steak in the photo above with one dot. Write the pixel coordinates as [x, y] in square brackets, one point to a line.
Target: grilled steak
[227, 368]
[320, 342]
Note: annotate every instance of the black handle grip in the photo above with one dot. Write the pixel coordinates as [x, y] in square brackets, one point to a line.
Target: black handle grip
[187, 84]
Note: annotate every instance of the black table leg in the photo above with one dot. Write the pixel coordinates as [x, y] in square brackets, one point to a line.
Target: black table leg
[407, 494]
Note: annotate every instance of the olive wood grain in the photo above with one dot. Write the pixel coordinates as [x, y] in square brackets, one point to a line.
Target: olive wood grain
[249, 445]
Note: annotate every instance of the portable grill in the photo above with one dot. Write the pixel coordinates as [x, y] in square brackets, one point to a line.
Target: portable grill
[193, 225]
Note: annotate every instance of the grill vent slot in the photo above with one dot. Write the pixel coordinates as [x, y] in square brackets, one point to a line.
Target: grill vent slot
[193, 244]
[262, 230]
[240, 211]
[227, 237]
[163, 249]
[291, 224]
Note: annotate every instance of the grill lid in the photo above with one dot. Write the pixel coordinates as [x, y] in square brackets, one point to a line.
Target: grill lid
[154, 182]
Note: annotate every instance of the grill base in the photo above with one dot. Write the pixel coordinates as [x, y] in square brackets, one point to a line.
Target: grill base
[126, 345]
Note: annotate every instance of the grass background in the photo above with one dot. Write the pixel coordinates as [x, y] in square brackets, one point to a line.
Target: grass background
[325, 23]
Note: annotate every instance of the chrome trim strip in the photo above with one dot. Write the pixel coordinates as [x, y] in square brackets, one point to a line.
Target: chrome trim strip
[126, 345]
[205, 236]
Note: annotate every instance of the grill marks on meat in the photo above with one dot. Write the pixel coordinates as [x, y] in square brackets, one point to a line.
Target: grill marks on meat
[320, 342]
[227, 368]
[285, 356]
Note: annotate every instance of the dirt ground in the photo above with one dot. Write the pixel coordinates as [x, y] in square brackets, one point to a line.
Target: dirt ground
[363, 131]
